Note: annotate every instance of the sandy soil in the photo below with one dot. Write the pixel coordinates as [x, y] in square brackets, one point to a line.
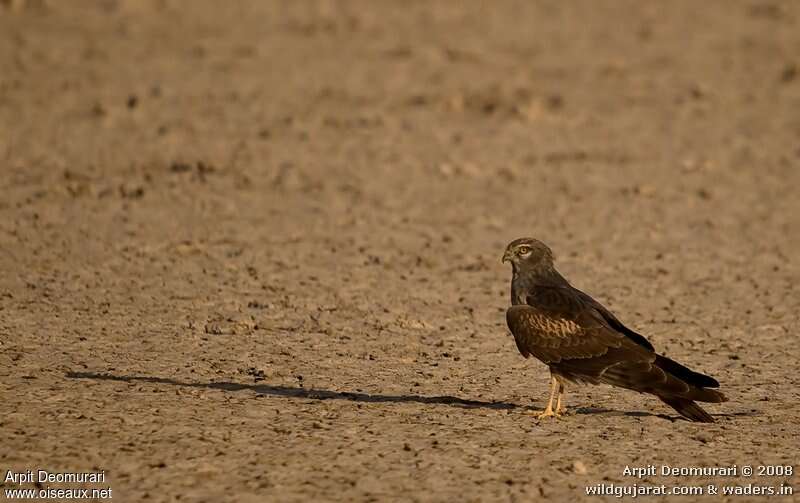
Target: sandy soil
[251, 251]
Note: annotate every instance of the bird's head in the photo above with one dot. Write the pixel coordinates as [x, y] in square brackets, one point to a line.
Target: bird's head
[528, 254]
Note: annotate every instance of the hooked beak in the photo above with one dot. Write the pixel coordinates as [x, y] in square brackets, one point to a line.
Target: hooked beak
[507, 256]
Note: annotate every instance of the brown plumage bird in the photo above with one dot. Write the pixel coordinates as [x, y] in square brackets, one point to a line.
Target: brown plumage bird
[582, 342]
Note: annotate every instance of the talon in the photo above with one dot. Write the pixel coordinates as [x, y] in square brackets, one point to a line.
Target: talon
[547, 413]
[555, 385]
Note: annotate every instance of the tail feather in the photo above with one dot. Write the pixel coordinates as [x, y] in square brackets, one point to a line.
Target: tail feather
[674, 384]
[697, 383]
[685, 374]
[699, 389]
[707, 395]
[688, 409]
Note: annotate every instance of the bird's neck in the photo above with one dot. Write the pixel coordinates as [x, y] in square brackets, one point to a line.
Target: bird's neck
[527, 282]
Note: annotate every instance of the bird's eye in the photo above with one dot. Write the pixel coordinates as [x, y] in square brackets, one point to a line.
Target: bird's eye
[524, 250]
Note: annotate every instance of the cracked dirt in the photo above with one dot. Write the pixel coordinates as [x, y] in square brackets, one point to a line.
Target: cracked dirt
[251, 251]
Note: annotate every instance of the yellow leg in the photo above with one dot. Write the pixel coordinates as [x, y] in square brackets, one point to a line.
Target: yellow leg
[548, 411]
[559, 408]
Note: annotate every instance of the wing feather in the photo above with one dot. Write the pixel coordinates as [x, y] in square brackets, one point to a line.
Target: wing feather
[581, 340]
[566, 330]
[560, 326]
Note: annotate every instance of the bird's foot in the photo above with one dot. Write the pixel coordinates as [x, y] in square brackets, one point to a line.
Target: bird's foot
[548, 412]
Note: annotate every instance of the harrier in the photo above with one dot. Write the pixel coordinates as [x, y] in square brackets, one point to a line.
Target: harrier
[582, 342]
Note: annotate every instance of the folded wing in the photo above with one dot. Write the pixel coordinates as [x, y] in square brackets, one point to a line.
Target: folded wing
[565, 329]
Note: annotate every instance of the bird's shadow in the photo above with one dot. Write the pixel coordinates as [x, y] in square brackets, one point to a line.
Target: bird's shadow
[323, 394]
[612, 412]
[296, 392]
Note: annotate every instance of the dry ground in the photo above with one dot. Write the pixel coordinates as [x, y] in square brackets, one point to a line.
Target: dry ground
[250, 251]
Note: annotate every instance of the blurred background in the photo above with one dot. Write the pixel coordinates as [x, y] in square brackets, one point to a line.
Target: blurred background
[227, 227]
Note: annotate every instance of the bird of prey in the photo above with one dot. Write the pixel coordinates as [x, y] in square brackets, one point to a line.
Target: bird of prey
[582, 342]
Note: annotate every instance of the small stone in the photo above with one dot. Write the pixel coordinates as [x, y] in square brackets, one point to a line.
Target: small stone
[789, 73]
[128, 191]
[579, 468]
